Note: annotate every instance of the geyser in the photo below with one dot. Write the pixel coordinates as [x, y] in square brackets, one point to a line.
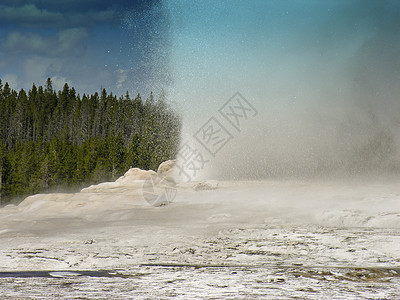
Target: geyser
[322, 76]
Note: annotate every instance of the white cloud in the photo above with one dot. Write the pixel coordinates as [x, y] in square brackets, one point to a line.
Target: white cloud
[70, 38]
[27, 42]
[28, 14]
[122, 76]
[59, 81]
[21, 42]
[92, 17]
[35, 69]
[12, 80]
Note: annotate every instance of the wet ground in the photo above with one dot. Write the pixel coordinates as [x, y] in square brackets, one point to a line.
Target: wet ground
[208, 245]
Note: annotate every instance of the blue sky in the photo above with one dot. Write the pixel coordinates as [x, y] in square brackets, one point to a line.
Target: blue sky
[129, 45]
[264, 45]
[89, 44]
[324, 75]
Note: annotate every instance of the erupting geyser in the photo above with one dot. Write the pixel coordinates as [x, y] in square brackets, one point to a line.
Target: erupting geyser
[323, 77]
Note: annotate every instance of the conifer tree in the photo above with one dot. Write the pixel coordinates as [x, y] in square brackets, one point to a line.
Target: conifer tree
[52, 140]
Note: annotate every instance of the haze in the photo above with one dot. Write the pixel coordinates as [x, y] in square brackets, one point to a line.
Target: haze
[322, 75]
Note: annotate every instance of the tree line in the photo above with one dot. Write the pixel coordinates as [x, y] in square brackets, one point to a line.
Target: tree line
[57, 140]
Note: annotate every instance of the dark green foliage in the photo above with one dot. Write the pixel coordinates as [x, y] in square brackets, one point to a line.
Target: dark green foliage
[58, 140]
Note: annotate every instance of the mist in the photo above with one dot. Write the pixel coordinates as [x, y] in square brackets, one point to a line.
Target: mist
[291, 106]
[323, 77]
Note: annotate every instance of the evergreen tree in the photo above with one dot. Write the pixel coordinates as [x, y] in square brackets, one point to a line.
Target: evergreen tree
[2, 157]
[51, 140]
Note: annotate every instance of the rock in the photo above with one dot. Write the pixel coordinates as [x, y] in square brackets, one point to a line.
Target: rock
[135, 174]
[206, 185]
[166, 170]
[134, 179]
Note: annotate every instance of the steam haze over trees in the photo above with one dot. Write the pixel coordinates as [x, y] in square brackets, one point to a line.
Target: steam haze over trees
[52, 140]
